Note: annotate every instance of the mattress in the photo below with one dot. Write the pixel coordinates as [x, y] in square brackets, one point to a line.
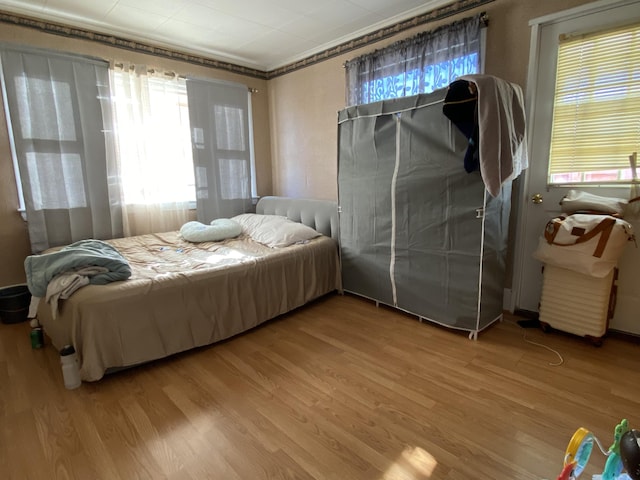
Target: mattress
[184, 295]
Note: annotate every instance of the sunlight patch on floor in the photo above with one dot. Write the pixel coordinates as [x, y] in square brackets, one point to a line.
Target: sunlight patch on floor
[414, 463]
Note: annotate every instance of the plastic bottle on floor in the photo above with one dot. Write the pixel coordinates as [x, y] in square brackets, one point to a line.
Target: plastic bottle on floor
[70, 367]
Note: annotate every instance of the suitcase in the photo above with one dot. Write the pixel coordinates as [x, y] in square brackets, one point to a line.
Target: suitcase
[577, 303]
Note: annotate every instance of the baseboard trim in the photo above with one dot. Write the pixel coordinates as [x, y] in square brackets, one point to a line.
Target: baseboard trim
[508, 300]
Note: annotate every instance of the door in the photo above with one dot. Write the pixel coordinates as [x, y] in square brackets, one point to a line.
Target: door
[539, 202]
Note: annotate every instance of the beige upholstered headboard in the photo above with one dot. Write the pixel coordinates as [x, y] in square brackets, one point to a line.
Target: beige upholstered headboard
[321, 215]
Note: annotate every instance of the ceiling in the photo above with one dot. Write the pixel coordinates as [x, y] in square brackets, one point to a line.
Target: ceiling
[260, 34]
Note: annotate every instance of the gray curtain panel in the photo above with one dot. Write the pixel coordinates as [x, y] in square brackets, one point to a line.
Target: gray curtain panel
[58, 109]
[219, 118]
[420, 64]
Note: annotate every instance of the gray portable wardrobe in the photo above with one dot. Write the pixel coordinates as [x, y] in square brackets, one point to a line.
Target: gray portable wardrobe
[417, 232]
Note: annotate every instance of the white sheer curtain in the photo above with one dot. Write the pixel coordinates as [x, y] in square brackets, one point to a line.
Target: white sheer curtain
[420, 64]
[153, 148]
[58, 110]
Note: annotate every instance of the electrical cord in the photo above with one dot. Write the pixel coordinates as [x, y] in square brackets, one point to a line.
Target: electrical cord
[556, 364]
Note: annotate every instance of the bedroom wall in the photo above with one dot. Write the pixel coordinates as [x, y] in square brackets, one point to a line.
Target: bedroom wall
[304, 103]
[294, 115]
[14, 240]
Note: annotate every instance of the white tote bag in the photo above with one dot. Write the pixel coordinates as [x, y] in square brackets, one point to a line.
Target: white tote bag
[587, 244]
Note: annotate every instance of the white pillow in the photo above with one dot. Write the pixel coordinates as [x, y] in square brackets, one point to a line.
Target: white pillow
[274, 230]
[219, 229]
[578, 201]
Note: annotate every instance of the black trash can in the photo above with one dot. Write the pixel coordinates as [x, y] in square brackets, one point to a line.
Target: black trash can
[14, 303]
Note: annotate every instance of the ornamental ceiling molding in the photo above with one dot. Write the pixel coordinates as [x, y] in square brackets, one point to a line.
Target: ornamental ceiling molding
[381, 34]
[141, 47]
[125, 44]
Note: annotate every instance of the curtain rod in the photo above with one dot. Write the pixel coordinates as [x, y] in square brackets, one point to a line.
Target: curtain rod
[483, 18]
[167, 73]
[171, 74]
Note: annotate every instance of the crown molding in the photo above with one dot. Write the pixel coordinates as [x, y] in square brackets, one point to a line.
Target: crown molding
[126, 44]
[380, 34]
[141, 47]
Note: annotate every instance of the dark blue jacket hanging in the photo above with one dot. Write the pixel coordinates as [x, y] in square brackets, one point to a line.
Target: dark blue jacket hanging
[461, 107]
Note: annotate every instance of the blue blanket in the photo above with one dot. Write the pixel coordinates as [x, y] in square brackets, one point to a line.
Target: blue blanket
[40, 269]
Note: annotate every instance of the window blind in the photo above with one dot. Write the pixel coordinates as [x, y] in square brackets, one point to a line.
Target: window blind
[596, 115]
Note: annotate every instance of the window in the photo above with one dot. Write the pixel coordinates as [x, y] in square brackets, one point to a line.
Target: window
[53, 104]
[102, 152]
[220, 120]
[231, 141]
[596, 113]
[426, 80]
[421, 64]
[52, 146]
[153, 137]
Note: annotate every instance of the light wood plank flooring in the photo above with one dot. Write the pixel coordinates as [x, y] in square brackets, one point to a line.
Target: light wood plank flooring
[339, 389]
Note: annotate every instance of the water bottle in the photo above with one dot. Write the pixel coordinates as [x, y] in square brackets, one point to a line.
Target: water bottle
[70, 367]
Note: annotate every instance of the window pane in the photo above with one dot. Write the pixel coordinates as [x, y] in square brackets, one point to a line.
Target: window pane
[35, 97]
[421, 64]
[230, 133]
[154, 139]
[596, 107]
[413, 82]
[233, 169]
[56, 180]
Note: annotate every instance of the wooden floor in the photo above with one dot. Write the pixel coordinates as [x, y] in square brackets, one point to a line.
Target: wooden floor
[339, 389]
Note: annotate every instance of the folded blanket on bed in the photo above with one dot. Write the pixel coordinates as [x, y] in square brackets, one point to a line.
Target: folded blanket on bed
[41, 269]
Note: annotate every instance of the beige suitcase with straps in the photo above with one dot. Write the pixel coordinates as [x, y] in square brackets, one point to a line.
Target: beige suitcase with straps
[580, 253]
[577, 303]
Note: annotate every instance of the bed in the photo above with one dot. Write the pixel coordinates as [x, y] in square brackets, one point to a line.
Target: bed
[183, 295]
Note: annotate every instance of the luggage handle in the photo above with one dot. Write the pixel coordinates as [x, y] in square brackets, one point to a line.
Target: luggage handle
[605, 227]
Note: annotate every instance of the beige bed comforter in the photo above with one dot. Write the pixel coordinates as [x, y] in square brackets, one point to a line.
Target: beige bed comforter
[183, 295]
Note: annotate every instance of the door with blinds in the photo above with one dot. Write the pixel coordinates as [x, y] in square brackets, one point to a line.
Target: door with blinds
[545, 187]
